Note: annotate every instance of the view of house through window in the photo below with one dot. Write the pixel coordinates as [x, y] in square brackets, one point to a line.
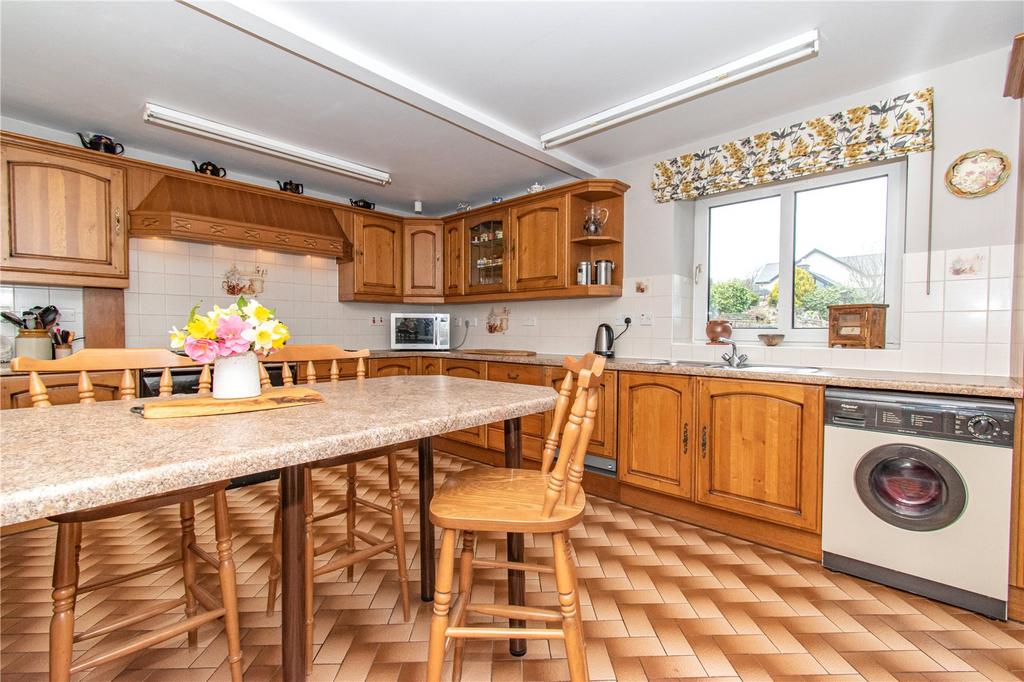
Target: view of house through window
[839, 254]
[777, 257]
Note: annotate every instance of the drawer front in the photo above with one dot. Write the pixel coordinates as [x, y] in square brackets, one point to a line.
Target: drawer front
[514, 373]
[393, 367]
[346, 370]
[532, 446]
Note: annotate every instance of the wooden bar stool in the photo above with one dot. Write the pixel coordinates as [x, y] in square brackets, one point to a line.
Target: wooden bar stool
[549, 501]
[396, 544]
[69, 529]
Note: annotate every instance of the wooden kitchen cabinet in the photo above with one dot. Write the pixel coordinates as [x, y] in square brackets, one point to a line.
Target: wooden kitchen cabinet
[430, 365]
[392, 367]
[454, 267]
[759, 445]
[64, 219]
[656, 438]
[62, 388]
[486, 252]
[602, 439]
[423, 265]
[533, 432]
[538, 244]
[468, 369]
[377, 243]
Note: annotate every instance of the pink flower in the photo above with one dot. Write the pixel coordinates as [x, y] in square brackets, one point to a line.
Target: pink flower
[201, 350]
[229, 332]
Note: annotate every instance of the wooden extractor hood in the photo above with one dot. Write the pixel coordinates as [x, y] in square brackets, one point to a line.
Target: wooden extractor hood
[193, 210]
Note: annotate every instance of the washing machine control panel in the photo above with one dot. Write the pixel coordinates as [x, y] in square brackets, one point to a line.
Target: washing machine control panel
[978, 421]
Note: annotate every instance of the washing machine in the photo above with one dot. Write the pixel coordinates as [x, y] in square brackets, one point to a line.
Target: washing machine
[917, 494]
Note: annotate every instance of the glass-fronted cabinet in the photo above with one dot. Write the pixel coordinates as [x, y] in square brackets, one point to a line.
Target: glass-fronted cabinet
[487, 250]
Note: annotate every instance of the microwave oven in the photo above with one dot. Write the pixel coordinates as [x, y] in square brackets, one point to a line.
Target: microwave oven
[419, 331]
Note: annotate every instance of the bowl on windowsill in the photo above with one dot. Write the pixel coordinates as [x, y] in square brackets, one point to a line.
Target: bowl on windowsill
[771, 339]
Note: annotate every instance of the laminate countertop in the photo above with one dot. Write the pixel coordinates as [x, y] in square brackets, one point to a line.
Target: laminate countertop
[918, 382]
[71, 457]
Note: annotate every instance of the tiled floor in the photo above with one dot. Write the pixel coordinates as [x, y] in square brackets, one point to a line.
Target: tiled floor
[662, 600]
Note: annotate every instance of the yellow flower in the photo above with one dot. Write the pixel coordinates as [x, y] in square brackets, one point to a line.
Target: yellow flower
[202, 327]
[856, 115]
[280, 334]
[908, 124]
[178, 337]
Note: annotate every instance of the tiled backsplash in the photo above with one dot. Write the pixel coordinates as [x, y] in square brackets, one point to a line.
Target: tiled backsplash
[962, 326]
[20, 298]
[169, 277]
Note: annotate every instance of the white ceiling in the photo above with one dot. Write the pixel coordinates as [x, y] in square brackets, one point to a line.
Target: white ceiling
[531, 66]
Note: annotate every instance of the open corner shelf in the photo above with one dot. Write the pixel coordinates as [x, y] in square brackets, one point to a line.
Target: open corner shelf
[596, 240]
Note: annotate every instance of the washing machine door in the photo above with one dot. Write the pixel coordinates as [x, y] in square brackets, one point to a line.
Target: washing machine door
[910, 487]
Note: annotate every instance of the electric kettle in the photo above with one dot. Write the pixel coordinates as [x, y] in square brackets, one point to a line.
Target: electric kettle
[605, 339]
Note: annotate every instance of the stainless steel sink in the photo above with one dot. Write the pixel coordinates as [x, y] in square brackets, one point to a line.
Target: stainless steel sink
[654, 362]
[675, 363]
[770, 369]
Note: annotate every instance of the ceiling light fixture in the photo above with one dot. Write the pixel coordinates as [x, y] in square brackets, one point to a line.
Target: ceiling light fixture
[196, 125]
[785, 53]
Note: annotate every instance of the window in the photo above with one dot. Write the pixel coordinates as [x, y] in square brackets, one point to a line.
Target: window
[773, 259]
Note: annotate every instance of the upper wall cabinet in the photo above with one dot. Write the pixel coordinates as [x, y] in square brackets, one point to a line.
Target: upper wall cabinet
[423, 266]
[539, 244]
[378, 255]
[454, 268]
[64, 219]
[486, 249]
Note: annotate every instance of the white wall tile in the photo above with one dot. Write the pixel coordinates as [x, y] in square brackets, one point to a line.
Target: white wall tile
[964, 327]
[916, 300]
[1000, 261]
[970, 263]
[999, 326]
[997, 359]
[922, 326]
[1000, 293]
[966, 294]
[963, 358]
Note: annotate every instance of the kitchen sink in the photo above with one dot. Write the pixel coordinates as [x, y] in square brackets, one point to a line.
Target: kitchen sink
[770, 369]
[675, 363]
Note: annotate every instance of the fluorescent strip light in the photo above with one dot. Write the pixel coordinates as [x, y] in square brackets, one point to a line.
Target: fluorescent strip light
[787, 52]
[177, 120]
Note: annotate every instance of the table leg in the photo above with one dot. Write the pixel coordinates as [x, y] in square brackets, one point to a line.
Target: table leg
[426, 476]
[293, 547]
[514, 543]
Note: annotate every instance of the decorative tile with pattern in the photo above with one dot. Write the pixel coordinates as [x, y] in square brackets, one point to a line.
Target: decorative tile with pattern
[661, 600]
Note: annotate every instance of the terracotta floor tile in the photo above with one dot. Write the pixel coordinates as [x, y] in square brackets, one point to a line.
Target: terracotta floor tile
[661, 600]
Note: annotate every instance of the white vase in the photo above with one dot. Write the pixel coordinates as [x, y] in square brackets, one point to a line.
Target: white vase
[236, 376]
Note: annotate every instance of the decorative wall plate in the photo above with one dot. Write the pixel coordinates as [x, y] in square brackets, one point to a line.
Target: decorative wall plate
[977, 173]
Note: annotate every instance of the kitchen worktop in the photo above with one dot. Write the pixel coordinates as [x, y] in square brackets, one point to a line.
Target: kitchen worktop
[921, 382]
[108, 455]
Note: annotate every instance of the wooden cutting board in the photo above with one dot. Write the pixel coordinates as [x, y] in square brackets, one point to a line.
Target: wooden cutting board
[272, 399]
[500, 351]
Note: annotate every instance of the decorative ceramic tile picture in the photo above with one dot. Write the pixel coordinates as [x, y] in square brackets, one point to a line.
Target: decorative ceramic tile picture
[967, 263]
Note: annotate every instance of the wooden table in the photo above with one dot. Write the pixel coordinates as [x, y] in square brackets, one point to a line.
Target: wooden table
[107, 455]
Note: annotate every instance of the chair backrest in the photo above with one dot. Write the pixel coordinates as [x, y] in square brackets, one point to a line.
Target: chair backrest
[105, 360]
[565, 474]
[311, 353]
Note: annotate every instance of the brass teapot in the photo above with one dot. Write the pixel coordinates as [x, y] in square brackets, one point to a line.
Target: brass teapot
[290, 186]
[210, 168]
[101, 143]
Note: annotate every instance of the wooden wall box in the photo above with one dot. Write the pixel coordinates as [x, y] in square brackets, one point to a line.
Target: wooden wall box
[859, 325]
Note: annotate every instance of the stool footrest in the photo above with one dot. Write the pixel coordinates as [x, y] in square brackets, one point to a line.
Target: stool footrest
[513, 565]
[100, 584]
[144, 614]
[353, 558]
[503, 633]
[516, 612]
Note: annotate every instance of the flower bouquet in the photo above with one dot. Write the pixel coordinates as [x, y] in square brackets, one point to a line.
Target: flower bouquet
[230, 338]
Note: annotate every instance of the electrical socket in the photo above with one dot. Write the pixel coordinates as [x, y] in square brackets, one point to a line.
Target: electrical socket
[456, 321]
[473, 321]
[621, 318]
[67, 315]
[646, 319]
[529, 321]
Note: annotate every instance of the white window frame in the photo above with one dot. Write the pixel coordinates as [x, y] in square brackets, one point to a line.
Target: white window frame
[895, 237]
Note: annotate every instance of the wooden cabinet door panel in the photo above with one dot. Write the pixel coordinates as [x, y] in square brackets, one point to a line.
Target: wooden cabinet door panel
[760, 450]
[602, 440]
[392, 367]
[531, 424]
[454, 273]
[430, 365]
[63, 215]
[62, 388]
[485, 253]
[468, 369]
[423, 270]
[378, 255]
[347, 370]
[538, 249]
[655, 433]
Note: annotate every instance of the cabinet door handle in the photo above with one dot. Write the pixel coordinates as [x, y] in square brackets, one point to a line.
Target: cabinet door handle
[513, 375]
[704, 441]
[686, 438]
[117, 221]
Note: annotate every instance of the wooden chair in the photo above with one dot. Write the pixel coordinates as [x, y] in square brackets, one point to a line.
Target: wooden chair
[549, 501]
[309, 355]
[69, 529]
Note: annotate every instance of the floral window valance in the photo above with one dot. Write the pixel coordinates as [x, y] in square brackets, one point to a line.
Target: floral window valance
[884, 130]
